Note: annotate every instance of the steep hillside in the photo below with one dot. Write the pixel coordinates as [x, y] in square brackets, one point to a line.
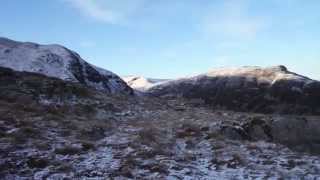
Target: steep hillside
[268, 90]
[60, 62]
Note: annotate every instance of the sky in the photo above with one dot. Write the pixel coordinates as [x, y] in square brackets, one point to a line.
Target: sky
[173, 38]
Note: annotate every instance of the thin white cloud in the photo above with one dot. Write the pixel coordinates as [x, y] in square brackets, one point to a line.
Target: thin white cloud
[106, 11]
[231, 20]
[93, 9]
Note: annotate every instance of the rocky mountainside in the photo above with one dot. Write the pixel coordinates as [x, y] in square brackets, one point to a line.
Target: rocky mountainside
[53, 129]
[60, 62]
[141, 83]
[267, 90]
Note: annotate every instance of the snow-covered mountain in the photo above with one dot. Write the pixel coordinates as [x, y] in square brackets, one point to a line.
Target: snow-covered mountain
[270, 89]
[60, 62]
[141, 83]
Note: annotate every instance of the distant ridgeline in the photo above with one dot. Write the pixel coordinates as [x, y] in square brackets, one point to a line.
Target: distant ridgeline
[252, 89]
[266, 90]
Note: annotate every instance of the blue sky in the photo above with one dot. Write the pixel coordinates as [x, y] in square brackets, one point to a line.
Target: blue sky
[173, 38]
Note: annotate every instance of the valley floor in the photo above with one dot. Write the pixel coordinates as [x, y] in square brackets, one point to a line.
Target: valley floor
[116, 137]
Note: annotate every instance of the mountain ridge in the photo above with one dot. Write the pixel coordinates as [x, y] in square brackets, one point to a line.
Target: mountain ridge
[58, 61]
[251, 88]
[69, 127]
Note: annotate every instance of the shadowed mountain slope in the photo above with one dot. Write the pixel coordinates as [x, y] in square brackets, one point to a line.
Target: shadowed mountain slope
[268, 90]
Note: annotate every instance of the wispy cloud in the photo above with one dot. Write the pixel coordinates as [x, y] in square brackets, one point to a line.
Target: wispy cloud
[93, 9]
[231, 20]
[106, 11]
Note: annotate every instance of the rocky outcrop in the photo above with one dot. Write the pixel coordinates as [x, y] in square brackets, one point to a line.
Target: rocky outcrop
[267, 90]
[60, 62]
[300, 133]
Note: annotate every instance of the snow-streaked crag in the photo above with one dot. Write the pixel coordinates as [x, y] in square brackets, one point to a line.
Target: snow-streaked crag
[60, 62]
[270, 89]
[141, 83]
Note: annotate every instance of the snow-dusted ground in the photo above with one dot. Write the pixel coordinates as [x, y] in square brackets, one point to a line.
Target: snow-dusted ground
[145, 139]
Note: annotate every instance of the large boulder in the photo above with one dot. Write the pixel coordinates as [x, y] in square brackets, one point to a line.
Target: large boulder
[300, 133]
[267, 90]
[60, 62]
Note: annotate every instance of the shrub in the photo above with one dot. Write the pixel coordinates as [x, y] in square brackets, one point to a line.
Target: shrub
[35, 162]
[86, 145]
[68, 150]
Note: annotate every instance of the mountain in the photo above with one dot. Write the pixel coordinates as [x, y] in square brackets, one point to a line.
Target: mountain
[141, 83]
[62, 118]
[60, 62]
[267, 90]
[54, 129]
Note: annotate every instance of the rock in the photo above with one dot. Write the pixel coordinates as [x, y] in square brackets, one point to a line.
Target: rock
[60, 62]
[258, 129]
[188, 130]
[297, 133]
[254, 89]
[41, 174]
[179, 108]
[234, 132]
